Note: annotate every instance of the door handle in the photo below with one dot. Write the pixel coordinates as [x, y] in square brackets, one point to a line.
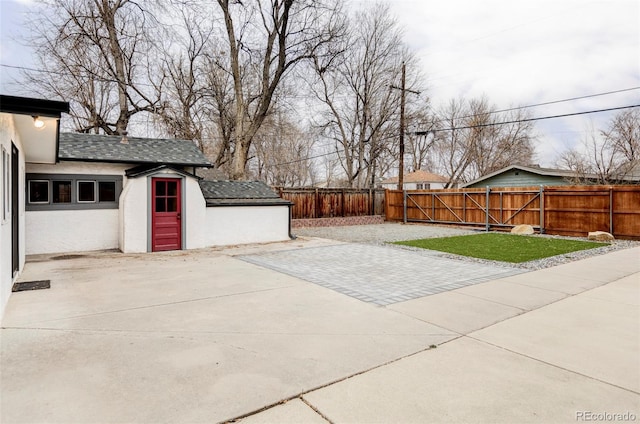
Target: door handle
[178, 216]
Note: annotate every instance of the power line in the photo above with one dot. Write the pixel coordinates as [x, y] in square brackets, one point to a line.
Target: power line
[467, 127]
[491, 124]
[559, 101]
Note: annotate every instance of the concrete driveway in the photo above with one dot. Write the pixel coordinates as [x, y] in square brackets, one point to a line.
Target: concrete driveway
[205, 336]
[184, 337]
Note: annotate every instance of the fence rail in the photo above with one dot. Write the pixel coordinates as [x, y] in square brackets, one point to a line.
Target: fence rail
[562, 210]
[332, 202]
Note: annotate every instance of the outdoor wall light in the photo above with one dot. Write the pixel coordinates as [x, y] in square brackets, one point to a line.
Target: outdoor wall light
[38, 123]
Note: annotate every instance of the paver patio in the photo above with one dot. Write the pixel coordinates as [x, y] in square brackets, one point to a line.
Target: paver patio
[381, 275]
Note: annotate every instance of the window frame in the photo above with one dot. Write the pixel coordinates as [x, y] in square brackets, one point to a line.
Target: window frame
[49, 197]
[95, 186]
[75, 203]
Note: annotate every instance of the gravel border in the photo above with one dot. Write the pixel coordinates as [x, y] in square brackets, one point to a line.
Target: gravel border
[385, 234]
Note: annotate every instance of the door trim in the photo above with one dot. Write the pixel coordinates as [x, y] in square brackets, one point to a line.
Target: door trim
[15, 210]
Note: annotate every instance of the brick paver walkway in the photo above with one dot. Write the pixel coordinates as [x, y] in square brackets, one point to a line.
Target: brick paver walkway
[378, 274]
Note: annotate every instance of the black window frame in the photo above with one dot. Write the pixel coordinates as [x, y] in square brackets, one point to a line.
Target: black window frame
[75, 203]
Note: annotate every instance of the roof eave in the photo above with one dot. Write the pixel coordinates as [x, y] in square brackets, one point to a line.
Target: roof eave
[137, 162]
[31, 106]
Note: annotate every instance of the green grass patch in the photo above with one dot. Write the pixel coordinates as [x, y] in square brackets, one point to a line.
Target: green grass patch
[502, 247]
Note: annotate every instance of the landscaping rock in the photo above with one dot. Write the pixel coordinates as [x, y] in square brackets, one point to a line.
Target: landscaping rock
[522, 229]
[600, 236]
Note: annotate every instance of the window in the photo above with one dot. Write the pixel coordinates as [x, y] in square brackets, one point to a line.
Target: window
[61, 191]
[70, 191]
[39, 191]
[106, 191]
[86, 191]
[419, 186]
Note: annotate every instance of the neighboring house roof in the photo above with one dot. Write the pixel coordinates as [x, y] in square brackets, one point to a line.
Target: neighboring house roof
[238, 193]
[548, 172]
[109, 148]
[418, 177]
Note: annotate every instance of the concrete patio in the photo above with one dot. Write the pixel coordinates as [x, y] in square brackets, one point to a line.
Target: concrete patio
[203, 336]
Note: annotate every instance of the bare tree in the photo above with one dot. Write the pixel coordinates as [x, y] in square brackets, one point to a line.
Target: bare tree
[609, 155]
[94, 54]
[184, 113]
[473, 140]
[419, 146]
[361, 112]
[451, 155]
[282, 153]
[265, 41]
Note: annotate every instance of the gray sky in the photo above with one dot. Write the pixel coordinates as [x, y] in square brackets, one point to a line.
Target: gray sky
[513, 51]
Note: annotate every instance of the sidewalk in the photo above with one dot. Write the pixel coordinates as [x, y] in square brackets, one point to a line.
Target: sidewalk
[556, 345]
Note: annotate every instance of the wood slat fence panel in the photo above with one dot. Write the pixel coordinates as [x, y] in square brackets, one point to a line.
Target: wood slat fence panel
[311, 203]
[566, 210]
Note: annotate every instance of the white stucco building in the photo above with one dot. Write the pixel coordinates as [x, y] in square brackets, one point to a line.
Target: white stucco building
[69, 192]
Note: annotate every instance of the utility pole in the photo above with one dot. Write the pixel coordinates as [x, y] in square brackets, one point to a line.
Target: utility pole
[402, 101]
[402, 89]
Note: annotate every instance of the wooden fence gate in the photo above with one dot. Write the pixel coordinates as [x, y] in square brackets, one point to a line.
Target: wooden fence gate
[562, 210]
[488, 208]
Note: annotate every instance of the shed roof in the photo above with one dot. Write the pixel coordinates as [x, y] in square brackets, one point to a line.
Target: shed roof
[418, 176]
[109, 148]
[221, 193]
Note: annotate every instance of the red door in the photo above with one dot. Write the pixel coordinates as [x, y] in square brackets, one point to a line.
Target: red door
[166, 228]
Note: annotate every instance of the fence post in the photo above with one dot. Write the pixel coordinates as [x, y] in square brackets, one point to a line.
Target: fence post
[541, 195]
[611, 210]
[316, 202]
[486, 223]
[404, 206]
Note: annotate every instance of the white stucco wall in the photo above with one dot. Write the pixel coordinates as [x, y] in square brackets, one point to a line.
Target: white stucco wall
[227, 225]
[71, 231]
[135, 213]
[63, 231]
[133, 216]
[195, 215]
[9, 134]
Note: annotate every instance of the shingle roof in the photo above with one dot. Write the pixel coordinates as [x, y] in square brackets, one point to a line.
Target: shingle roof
[418, 176]
[108, 148]
[239, 193]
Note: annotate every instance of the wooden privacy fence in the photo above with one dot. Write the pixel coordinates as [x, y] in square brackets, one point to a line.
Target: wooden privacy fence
[562, 210]
[333, 202]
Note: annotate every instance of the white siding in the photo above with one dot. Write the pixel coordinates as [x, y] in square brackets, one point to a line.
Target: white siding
[71, 231]
[227, 225]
